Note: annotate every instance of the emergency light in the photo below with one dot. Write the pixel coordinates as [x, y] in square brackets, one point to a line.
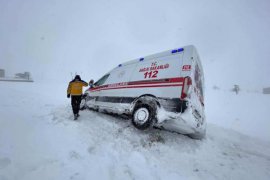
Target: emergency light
[177, 50]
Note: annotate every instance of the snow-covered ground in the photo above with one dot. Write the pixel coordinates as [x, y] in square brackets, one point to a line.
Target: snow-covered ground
[39, 140]
[246, 112]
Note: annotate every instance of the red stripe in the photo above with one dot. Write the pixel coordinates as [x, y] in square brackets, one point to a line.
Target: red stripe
[148, 82]
[125, 87]
[178, 79]
[142, 84]
[168, 80]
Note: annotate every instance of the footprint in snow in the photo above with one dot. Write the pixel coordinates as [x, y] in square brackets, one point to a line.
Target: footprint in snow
[74, 155]
[91, 150]
[74, 176]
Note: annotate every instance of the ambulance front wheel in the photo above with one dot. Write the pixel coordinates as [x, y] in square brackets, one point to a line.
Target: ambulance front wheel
[143, 116]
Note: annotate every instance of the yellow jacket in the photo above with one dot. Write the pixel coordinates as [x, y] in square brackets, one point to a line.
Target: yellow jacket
[75, 87]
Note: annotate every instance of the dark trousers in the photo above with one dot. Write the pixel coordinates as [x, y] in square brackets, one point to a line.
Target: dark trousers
[75, 102]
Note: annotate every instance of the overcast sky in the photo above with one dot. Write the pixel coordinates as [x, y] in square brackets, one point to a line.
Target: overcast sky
[55, 37]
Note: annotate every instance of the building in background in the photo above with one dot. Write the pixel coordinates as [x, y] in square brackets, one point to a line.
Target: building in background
[266, 90]
[2, 73]
[25, 75]
[19, 77]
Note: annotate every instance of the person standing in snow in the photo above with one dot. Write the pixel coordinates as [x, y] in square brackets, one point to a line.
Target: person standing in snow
[75, 88]
[91, 84]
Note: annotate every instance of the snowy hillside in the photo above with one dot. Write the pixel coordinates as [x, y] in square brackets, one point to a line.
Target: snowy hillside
[39, 140]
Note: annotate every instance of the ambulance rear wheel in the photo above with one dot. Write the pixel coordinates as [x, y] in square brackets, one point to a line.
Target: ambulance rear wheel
[143, 116]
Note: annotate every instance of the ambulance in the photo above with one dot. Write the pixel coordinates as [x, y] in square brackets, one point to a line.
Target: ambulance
[164, 90]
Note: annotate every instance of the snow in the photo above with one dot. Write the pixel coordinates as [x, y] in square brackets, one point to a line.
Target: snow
[247, 112]
[16, 79]
[39, 140]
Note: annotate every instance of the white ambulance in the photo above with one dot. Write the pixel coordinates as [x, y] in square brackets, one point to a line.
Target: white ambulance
[164, 90]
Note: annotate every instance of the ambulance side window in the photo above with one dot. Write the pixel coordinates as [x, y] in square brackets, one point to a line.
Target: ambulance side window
[198, 79]
[102, 80]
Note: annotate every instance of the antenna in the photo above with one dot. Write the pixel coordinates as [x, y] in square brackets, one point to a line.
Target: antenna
[71, 75]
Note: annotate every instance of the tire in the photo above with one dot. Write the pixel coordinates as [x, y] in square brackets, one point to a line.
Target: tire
[143, 116]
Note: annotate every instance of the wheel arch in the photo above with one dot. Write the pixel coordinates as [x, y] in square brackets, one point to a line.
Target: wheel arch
[139, 99]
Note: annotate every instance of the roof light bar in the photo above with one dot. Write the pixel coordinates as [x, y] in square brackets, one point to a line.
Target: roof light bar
[180, 50]
[177, 50]
[174, 51]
